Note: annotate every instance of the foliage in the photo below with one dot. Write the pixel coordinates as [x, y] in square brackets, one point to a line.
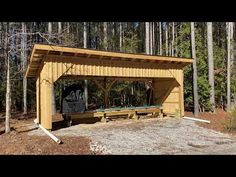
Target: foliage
[219, 49]
[230, 124]
[130, 44]
[133, 41]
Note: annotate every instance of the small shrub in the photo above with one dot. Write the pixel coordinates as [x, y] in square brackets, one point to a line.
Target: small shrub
[230, 123]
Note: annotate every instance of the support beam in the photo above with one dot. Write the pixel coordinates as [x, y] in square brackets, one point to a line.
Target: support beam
[46, 105]
[181, 92]
[46, 85]
[106, 95]
[86, 93]
[38, 100]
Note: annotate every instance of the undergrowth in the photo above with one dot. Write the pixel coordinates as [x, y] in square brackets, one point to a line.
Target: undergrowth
[230, 123]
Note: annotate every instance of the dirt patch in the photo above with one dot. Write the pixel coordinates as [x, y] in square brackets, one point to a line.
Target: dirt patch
[217, 120]
[22, 143]
[18, 141]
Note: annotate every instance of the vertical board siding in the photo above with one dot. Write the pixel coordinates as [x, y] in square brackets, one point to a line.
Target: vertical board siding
[168, 83]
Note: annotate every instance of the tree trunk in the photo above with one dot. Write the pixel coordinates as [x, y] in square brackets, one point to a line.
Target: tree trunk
[68, 27]
[173, 39]
[49, 27]
[96, 36]
[211, 64]
[170, 41]
[53, 91]
[166, 30]
[228, 65]
[232, 53]
[59, 31]
[85, 81]
[229, 26]
[49, 30]
[120, 29]
[59, 27]
[105, 42]
[147, 38]
[195, 87]
[24, 62]
[8, 86]
[132, 88]
[153, 38]
[150, 37]
[85, 35]
[160, 38]
[176, 45]
[113, 38]
[8, 98]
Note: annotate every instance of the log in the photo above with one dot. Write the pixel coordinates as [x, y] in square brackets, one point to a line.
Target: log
[57, 140]
[195, 119]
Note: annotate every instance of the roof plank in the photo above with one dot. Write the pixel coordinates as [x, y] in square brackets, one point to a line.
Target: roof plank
[40, 52]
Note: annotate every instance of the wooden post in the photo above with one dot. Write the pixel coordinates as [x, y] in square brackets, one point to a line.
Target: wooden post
[46, 105]
[104, 118]
[38, 100]
[106, 99]
[86, 93]
[46, 84]
[135, 116]
[161, 114]
[181, 93]
[105, 92]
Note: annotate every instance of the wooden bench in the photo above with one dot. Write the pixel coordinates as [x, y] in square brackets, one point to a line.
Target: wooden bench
[105, 114]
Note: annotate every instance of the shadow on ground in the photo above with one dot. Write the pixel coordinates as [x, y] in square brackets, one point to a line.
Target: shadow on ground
[59, 124]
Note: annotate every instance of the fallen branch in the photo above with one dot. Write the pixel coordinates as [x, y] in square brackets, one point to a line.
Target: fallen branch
[57, 140]
[195, 119]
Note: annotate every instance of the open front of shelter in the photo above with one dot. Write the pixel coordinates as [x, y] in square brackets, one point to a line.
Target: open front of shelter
[49, 63]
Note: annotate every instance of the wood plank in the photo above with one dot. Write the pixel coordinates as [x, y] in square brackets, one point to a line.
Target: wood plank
[38, 100]
[110, 54]
[101, 78]
[173, 102]
[44, 50]
[110, 113]
[86, 115]
[119, 113]
[45, 100]
[106, 66]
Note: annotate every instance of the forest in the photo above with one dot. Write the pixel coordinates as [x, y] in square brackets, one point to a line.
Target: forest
[208, 84]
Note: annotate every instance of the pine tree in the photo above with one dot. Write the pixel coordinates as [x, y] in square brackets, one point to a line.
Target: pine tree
[160, 38]
[195, 89]
[211, 64]
[24, 65]
[85, 81]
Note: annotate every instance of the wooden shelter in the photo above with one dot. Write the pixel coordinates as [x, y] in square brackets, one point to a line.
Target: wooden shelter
[48, 63]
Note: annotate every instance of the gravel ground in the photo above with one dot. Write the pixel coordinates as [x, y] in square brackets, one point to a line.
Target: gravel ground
[150, 136]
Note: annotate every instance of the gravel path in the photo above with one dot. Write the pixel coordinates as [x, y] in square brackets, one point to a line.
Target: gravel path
[151, 136]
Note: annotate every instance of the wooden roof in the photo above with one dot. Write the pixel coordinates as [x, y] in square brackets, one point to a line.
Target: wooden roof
[39, 52]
